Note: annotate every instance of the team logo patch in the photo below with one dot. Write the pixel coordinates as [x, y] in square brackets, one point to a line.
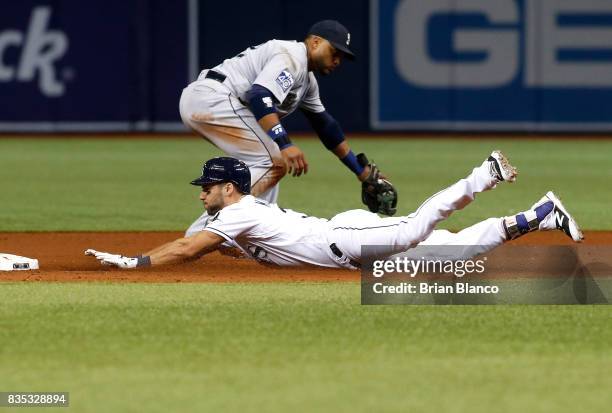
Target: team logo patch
[268, 101]
[277, 129]
[285, 80]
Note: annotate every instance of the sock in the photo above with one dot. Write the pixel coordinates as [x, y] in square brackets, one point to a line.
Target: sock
[521, 223]
[543, 210]
[527, 221]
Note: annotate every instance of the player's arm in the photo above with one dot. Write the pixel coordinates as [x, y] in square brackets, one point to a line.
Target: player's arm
[331, 135]
[376, 191]
[261, 102]
[180, 250]
[185, 249]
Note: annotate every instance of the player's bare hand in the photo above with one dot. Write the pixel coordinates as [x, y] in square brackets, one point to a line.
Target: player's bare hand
[296, 162]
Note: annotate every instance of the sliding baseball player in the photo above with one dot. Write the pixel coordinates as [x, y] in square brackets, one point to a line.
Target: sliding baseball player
[273, 235]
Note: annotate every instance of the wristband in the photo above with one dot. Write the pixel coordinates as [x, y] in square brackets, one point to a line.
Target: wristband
[279, 135]
[143, 261]
[350, 160]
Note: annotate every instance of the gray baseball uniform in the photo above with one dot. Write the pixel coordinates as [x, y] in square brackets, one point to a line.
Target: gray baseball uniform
[215, 106]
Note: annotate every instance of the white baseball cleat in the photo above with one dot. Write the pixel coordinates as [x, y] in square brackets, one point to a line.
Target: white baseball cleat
[500, 167]
[559, 218]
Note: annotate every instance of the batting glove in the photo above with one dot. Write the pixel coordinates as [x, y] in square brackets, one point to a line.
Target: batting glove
[114, 260]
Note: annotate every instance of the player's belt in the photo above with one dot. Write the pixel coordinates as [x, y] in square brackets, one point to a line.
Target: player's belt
[219, 77]
[339, 254]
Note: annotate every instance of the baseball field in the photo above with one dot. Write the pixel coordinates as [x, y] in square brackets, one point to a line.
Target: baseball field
[224, 334]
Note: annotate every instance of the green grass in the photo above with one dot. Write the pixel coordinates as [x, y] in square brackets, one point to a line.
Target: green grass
[95, 184]
[296, 347]
[290, 347]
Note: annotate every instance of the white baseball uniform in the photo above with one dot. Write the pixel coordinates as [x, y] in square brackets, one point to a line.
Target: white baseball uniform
[217, 108]
[270, 234]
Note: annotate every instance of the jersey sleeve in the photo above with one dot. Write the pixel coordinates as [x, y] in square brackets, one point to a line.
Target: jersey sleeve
[312, 101]
[278, 75]
[230, 223]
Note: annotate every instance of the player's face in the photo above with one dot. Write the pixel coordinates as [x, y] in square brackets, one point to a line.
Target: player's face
[325, 57]
[212, 198]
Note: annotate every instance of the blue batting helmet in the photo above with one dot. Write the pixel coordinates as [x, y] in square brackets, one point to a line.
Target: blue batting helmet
[225, 169]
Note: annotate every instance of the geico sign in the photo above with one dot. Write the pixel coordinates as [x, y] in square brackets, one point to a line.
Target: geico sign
[40, 48]
[544, 39]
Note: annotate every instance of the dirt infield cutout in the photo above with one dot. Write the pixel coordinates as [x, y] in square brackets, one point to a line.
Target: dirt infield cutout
[61, 259]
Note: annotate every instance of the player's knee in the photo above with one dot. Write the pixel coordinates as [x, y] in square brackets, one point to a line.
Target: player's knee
[277, 171]
[270, 178]
[280, 168]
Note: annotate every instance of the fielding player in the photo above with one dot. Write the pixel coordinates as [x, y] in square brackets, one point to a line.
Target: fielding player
[238, 106]
[274, 235]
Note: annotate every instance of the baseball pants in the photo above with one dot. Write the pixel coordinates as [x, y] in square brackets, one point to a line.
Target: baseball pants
[398, 235]
[208, 108]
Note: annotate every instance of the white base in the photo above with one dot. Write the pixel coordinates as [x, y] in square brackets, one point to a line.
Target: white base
[9, 262]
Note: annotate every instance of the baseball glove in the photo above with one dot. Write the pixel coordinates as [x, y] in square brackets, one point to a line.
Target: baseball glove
[377, 192]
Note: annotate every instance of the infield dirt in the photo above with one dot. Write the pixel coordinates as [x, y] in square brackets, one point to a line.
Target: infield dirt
[61, 258]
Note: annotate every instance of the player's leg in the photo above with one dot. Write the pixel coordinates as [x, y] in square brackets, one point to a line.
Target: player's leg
[545, 215]
[394, 235]
[477, 239]
[221, 119]
[488, 233]
[209, 110]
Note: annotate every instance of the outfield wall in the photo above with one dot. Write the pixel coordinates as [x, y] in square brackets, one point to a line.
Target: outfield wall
[453, 65]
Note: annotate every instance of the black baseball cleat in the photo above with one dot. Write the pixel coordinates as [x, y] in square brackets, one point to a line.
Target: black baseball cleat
[500, 167]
